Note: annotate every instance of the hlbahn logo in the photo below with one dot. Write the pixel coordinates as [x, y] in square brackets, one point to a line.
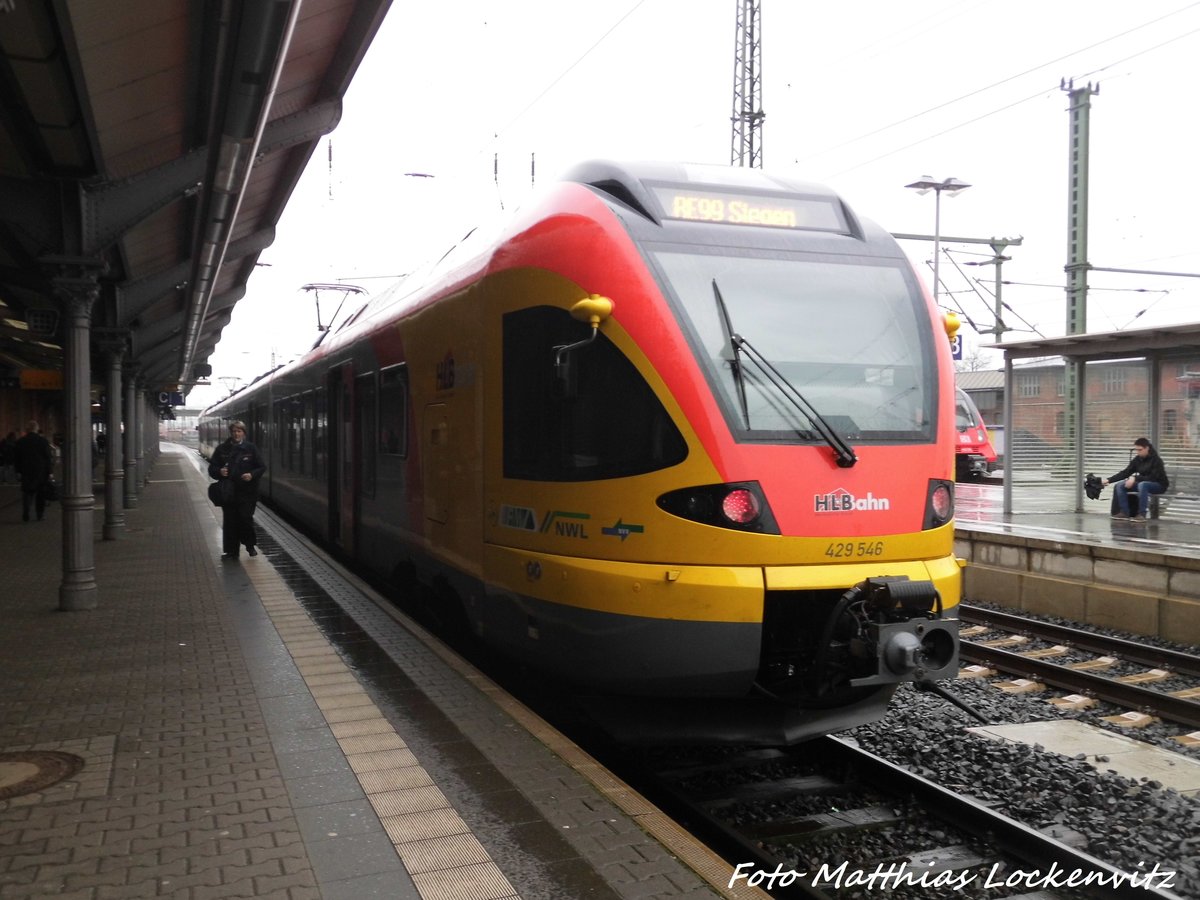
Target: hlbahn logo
[842, 500]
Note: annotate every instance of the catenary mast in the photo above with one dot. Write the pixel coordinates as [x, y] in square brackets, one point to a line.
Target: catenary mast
[746, 149]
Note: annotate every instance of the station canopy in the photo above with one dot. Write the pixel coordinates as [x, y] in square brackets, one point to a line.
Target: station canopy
[147, 150]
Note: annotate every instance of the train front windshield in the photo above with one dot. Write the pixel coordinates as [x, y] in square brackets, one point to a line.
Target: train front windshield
[965, 415]
[850, 335]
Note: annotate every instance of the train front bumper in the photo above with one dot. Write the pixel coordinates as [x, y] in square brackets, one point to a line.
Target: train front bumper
[669, 631]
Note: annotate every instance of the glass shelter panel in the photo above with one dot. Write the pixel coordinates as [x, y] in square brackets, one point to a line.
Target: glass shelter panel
[1123, 400]
[1115, 412]
[1040, 449]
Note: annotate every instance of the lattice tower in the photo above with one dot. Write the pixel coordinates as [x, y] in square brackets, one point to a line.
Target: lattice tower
[746, 148]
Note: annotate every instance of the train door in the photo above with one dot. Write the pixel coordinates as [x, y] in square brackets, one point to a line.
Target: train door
[435, 440]
[341, 458]
[366, 430]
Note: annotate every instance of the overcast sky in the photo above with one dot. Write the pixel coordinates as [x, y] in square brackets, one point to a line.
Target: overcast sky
[863, 96]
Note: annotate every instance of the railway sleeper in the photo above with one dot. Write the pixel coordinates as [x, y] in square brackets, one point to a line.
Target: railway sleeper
[781, 789]
[748, 759]
[808, 827]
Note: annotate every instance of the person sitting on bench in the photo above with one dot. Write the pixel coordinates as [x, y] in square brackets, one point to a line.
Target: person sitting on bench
[1145, 475]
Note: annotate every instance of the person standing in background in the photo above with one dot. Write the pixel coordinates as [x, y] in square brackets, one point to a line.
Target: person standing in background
[8, 472]
[34, 462]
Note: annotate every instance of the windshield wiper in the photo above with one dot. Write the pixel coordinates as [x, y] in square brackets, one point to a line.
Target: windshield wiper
[843, 453]
[736, 364]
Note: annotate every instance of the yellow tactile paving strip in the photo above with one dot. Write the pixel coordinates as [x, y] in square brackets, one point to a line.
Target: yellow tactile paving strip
[436, 845]
[664, 829]
[445, 861]
[710, 867]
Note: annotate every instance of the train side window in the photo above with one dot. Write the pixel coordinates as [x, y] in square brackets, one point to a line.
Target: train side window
[393, 412]
[609, 424]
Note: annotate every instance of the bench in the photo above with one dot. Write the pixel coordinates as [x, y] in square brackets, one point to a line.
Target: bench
[1181, 500]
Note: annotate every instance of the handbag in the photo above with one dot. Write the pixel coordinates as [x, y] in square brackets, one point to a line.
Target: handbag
[49, 490]
[217, 492]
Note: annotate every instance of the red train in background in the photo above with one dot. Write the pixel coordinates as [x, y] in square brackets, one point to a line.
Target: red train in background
[680, 436]
[974, 455]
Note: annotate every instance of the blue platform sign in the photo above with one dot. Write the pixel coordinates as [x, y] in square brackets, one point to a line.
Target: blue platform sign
[956, 347]
[170, 398]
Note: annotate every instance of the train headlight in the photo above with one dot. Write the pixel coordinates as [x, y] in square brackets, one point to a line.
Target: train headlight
[939, 503]
[739, 505]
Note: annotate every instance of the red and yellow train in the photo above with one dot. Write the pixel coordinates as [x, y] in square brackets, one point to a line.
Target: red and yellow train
[681, 436]
[974, 455]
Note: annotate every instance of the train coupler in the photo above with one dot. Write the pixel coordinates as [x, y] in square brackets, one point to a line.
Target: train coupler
[910, 642]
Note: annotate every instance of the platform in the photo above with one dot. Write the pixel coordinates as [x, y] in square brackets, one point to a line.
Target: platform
[980, 507]
[1142, 578]
[229, 749]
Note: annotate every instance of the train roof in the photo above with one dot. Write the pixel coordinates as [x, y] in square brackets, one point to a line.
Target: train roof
[596, 172]
[639, 187]
[628, 184]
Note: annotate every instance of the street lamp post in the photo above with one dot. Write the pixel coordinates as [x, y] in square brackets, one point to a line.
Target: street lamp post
[953, 187]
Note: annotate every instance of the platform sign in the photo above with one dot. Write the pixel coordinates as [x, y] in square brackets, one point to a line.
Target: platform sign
[170, 398]
[41, 380]
[956, 347]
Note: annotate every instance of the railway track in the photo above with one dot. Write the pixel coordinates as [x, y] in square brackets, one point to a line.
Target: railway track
[1083, 678]
[862, 827]
[830, 819]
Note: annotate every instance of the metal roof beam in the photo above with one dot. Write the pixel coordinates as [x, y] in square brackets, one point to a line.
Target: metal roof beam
[140, 295]
[114, 207]
[259, 48]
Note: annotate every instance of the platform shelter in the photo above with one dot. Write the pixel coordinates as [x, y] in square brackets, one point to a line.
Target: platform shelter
[1074, 404]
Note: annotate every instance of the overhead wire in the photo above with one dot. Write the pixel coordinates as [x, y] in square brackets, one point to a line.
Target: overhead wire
[496, 135]
[532, 103]
[973, 287]
[1002, 81]
[1004, 304]
[1006, 107]
[914, 30]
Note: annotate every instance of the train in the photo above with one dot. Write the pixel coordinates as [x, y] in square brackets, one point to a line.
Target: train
[680, 437]
[974, 455]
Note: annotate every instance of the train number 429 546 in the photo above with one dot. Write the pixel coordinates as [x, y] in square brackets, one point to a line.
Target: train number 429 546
[851, 549]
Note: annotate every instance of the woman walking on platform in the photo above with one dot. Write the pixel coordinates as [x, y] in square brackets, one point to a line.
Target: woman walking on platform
[239, 466]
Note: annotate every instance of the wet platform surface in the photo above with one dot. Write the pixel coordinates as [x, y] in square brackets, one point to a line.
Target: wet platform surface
[979, 507]
[239, 735]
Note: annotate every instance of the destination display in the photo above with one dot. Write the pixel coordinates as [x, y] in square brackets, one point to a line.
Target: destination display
[733, 208]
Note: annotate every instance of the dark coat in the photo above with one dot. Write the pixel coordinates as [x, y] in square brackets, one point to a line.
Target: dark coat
[1149, 468]
[34, 460]
[240, 458]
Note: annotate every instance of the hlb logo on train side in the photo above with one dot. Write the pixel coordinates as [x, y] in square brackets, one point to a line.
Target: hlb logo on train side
[842, 500]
